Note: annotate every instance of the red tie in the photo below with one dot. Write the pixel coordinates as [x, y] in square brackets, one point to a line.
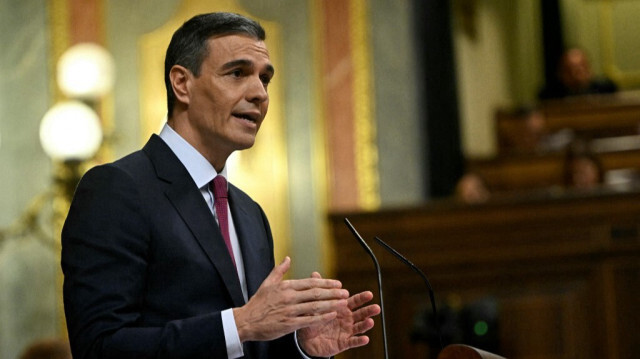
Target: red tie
[220, 202]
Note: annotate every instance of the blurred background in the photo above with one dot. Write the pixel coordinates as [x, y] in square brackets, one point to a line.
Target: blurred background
[378, 107]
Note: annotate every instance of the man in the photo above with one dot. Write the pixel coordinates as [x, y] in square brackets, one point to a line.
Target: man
[576, 78]
[148, 271]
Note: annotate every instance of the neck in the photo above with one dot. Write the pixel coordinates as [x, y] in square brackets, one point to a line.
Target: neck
[217, 159]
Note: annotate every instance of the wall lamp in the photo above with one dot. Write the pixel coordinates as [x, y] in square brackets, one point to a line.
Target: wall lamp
[71, 130]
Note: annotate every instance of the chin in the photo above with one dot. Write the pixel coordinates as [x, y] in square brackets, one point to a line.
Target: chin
[245, 145]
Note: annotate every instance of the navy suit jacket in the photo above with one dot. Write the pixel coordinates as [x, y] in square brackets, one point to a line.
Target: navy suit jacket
[146, 271]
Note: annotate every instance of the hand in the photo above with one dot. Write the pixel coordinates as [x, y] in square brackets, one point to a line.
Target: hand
[281, 307]
[343, 332]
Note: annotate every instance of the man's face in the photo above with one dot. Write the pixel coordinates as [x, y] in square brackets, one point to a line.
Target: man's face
[229, 100]
[585, 173]
[576, 72]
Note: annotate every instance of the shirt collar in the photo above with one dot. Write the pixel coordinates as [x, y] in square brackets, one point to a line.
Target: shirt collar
[198, 167]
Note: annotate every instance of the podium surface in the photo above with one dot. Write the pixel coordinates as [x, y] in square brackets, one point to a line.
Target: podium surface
[459, 351]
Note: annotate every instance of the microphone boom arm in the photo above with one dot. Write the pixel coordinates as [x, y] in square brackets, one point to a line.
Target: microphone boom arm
[424, 278]
[375, 262]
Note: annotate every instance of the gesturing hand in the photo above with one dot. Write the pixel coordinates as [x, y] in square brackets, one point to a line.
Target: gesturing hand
[342, 332]
[281, 307]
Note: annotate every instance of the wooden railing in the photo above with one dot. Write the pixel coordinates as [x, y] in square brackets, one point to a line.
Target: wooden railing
[607, 125]
[535, 171]
[598, 115]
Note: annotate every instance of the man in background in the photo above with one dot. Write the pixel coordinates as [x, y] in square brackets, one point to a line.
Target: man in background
[164, 259]
[576, 78]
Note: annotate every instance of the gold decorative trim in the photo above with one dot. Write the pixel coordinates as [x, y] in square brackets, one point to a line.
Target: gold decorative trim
[319, 148]
[106, 104]
[58, 13]
[607, 41]
[366, 151]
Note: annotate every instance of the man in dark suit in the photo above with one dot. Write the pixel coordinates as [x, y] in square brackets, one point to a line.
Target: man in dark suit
[158, 264]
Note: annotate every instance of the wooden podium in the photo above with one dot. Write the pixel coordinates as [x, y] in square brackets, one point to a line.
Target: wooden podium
[460, 351]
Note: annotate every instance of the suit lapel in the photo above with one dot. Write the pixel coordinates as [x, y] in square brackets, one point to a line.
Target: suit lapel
[256, 253]
[192, 208]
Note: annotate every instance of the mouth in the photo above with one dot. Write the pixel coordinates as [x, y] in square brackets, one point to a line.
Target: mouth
[248, 116]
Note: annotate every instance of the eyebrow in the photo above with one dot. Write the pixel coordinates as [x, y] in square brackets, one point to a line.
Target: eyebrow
[246, 63]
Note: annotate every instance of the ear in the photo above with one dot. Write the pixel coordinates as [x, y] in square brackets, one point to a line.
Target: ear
[180, 81]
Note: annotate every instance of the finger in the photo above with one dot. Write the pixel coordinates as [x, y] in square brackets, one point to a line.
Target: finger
[363, 326]
[290, 324]
[291, 297]
[316, 307]
[300, 322]
[319, 294]
[358, 341]
[278, 272]
[359, 299]
[310, 283]
[366, 312]
[316, 275]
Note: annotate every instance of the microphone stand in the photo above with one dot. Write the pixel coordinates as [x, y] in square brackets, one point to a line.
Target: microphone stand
[424, 278]
[375, 262]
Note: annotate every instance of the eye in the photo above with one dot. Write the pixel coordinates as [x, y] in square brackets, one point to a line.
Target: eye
[266, 79]
[236, 73]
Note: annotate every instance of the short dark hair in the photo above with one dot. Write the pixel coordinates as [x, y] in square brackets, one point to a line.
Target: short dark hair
[189, 47]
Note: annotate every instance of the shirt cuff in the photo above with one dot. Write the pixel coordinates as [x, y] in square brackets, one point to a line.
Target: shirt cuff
[231, 337]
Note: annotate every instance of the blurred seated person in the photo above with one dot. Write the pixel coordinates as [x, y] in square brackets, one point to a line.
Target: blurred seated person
[524, 131]
[47, 349]
[582, 169]
[472, 189]
[575, 78]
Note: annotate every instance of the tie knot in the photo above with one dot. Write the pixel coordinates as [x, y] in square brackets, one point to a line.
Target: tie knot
[220, 187]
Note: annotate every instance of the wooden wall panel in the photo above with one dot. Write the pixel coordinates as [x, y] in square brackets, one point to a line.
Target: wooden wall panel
[559, 270]
[626, 305]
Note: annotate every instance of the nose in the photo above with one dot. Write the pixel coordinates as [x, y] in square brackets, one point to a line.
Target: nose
[257, 92]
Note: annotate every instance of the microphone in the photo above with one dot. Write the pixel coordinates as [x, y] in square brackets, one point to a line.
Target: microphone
[404, 260]
[375, 262]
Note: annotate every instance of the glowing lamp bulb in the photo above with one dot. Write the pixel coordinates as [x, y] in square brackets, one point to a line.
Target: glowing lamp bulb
[86, 71]
[70, 131]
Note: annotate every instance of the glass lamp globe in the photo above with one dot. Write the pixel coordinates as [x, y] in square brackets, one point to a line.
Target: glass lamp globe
[70, 130]
[86, 71]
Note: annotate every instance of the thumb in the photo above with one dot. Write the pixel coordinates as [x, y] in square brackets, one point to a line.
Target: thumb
[278, 272]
